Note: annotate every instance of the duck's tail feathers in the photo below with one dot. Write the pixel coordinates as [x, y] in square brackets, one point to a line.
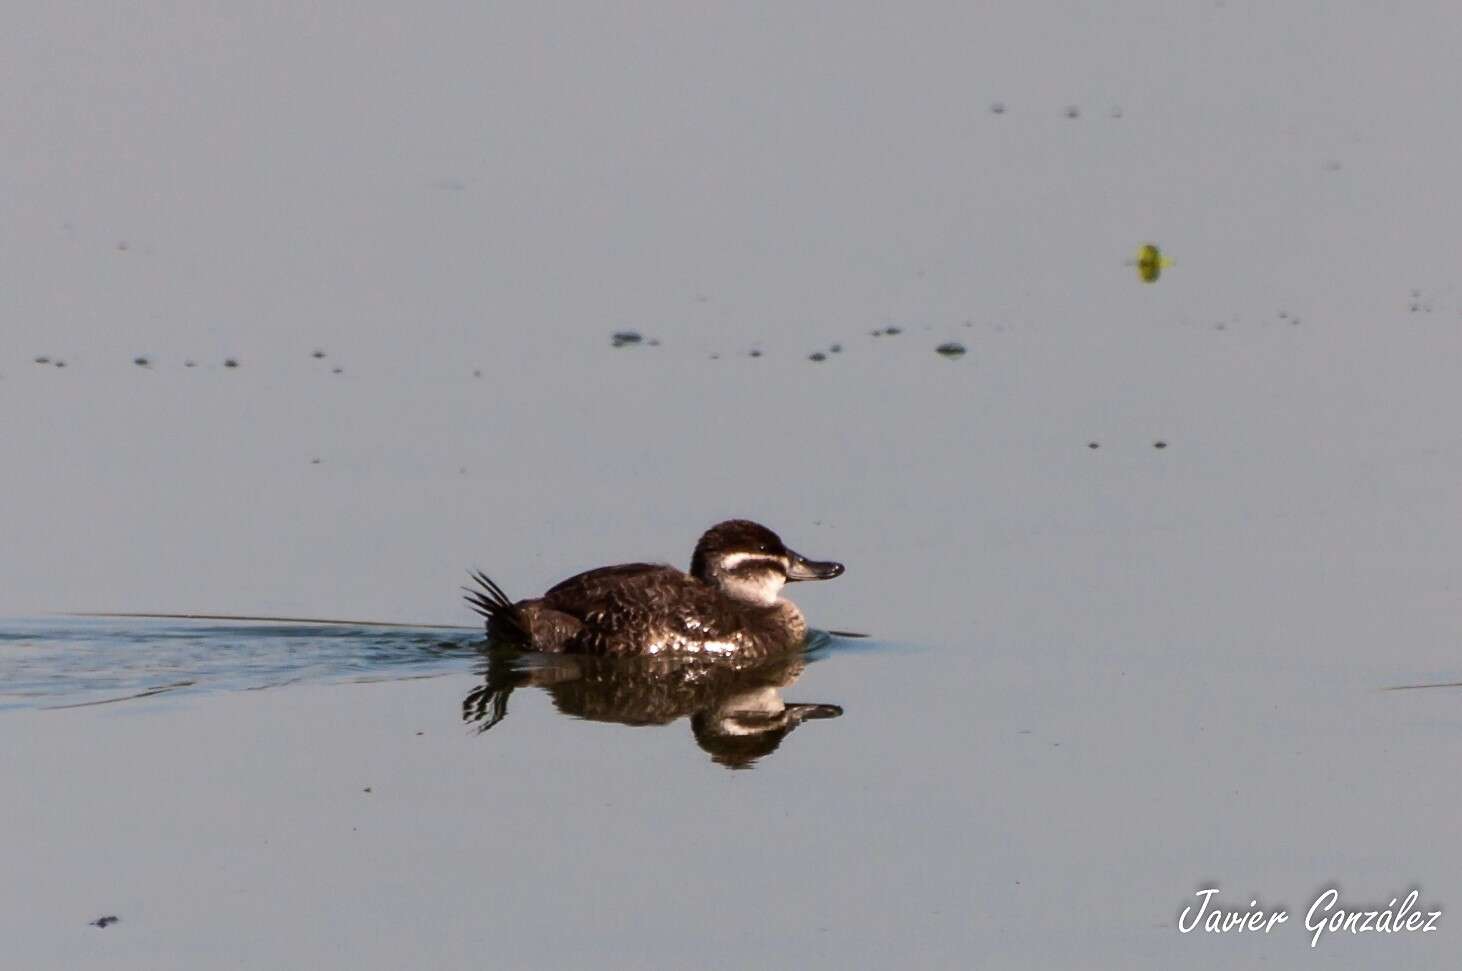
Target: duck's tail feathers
[506, 620]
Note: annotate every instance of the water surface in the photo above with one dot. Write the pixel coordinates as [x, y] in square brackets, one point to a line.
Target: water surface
[67, 662]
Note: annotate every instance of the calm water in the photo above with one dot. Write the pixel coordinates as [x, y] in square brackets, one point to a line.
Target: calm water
[1101, 677]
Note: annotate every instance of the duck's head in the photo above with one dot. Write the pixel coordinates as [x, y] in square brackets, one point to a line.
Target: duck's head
[749, 562]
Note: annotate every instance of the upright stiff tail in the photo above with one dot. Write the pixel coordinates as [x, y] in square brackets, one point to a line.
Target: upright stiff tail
[505, 621]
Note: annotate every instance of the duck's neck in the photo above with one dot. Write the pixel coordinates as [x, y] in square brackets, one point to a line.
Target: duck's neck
[792, 617]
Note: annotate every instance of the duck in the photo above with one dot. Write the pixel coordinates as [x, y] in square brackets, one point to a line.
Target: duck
[729, 604]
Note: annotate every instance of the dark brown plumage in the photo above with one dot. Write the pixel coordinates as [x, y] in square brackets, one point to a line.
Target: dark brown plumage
[727, 604]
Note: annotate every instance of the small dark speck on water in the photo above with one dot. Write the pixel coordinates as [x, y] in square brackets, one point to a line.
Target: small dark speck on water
[42, 359]
[60, 363]
[317, 353]
[1072, 111]
[314, 461]
[893, 331]
[231, 362]
[141, 361]
[106, 921]
[123, 246]
[341, 370]
[653, 342]
[998, 108]
[715, 357]
[366, 789]
[1159, 444]
[950, 349]
[1116, 111]
[1093, 444]
[755, 353]
[477, 372]
[817, 356]
[623, 338]
[836, 349]
[189, 364]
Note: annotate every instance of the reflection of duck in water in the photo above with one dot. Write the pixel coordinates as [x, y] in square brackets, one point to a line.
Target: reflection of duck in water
[728, 604]
[735, 705]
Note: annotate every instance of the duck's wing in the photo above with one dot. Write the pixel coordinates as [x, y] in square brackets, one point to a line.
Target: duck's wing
[583, 591]
[618, 605]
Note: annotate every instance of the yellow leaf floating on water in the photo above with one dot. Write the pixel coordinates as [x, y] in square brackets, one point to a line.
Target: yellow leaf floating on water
[1151, 262]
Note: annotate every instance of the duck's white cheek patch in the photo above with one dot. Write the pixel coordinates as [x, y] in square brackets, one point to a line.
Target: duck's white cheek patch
[761, 588]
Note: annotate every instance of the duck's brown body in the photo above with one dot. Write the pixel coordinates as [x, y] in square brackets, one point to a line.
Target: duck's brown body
[645, 608]
[728, 605]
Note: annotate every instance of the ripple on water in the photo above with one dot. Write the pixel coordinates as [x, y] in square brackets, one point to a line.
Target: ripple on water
[57, 663]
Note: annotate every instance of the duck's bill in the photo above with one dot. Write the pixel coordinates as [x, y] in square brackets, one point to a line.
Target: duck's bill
[803, 712]
[804, 569]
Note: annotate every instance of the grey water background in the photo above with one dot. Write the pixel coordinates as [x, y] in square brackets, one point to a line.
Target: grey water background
[1131, 671]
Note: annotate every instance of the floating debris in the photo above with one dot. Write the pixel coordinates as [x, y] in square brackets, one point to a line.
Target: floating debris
[317, 353]
[314, 461]
[1159, 444]
[817, 356]
[1093, 444]
[42, 359]
[341, 370]
[189, 363]
[1116, 111]
[231, 362]
[123, 246]
[624, 338]
[141, 361]
[754, 353]
[106, 921]
[60, 363]
[477, 372]
[836, 349]
[1151, 262]
[715, 357]
[950, 349]
[1072, 111]
[893, 331]
[653, 342]
[997, 108]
